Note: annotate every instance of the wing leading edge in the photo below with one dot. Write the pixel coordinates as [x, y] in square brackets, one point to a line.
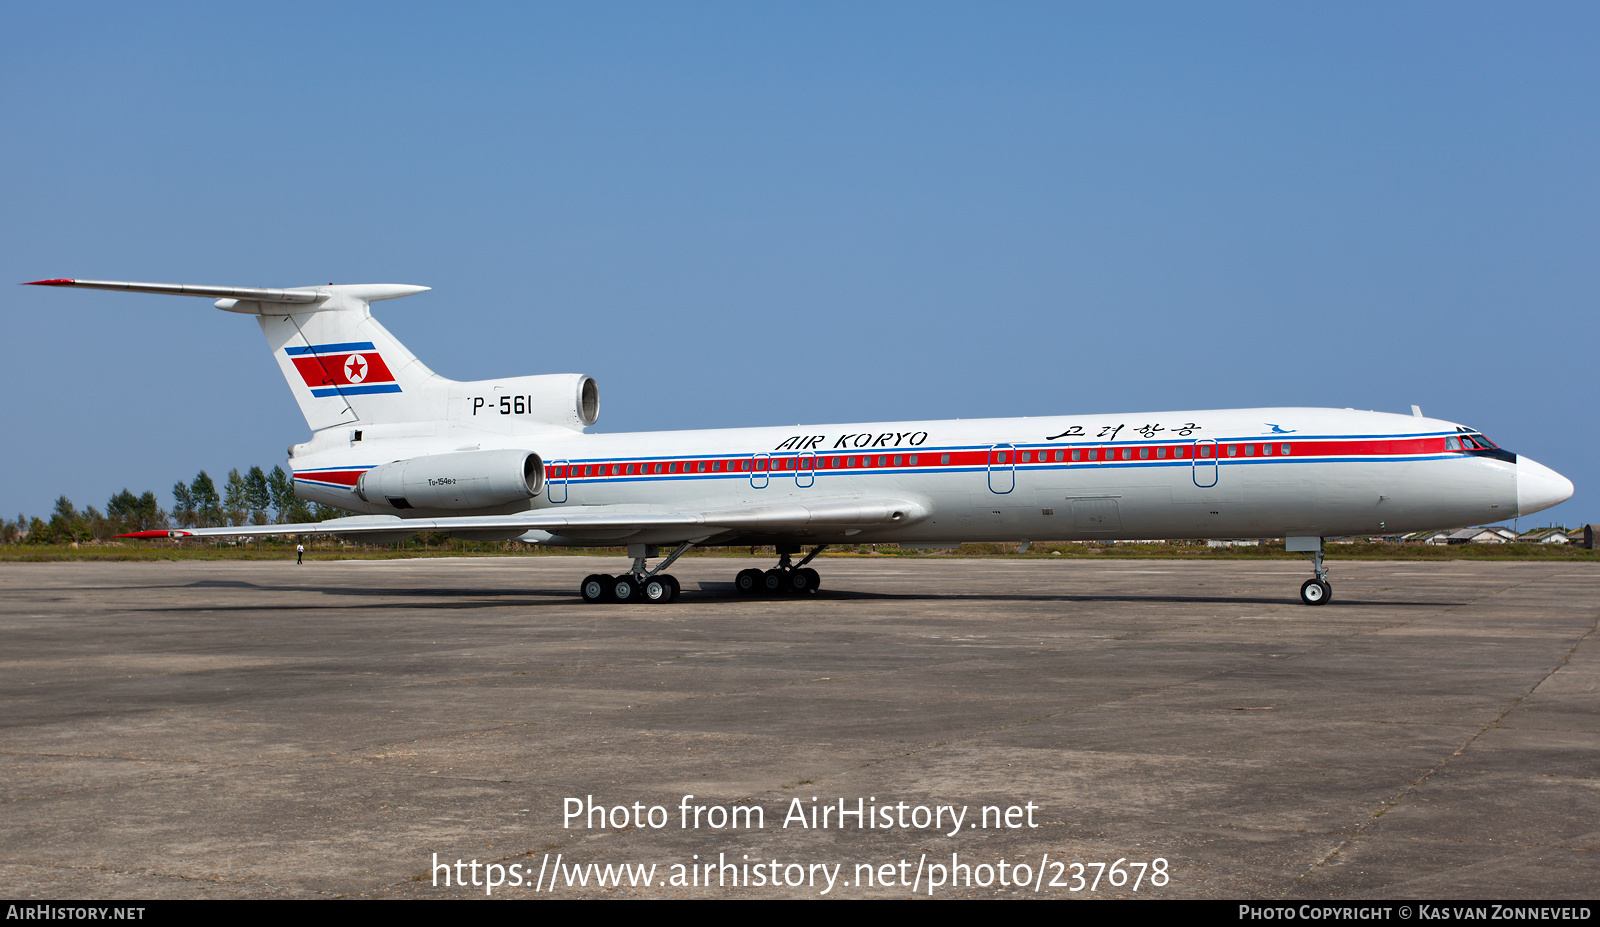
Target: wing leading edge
[849, 513]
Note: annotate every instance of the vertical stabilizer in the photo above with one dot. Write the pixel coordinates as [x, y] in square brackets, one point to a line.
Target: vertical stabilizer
[344, 367]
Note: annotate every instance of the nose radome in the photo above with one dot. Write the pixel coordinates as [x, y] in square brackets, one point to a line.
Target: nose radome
[1539, 487]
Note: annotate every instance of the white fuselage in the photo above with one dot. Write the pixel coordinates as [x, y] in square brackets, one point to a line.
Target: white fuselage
[1170, 475]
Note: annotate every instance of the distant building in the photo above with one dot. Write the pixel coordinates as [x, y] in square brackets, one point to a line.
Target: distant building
[1482, 535]
[1545, 536]
[1427, 537]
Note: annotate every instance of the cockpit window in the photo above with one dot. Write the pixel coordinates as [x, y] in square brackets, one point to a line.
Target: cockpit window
[1452, 443]
[1473, 442]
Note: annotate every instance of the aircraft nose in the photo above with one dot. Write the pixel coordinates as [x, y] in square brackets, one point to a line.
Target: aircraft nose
[1539, 487]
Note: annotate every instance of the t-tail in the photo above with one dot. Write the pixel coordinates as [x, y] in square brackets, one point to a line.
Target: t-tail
[345, 369]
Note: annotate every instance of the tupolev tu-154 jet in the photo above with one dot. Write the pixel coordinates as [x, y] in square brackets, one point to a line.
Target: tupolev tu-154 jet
[509, 458]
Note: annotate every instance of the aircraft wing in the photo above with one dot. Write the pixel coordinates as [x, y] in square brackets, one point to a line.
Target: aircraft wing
[608, 519]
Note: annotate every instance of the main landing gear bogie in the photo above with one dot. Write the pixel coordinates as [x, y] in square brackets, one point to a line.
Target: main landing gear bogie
[639, 584]
[784, 579]
[659, 588]
[777, 581]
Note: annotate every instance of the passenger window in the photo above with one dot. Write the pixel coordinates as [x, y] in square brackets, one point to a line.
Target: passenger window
[1027, 457]
[1205, 450]
[1249, 450]
[883, 461]
[913, 460]
[1061, 455]
[1233, 450]
[1077, 455]
[1283, 449]
[1266, 450]
[1144, 453]
[1161, 453]
[897, 460]
[944, 458]
[1094, 453]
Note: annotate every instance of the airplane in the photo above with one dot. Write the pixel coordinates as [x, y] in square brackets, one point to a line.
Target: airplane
[502, 459]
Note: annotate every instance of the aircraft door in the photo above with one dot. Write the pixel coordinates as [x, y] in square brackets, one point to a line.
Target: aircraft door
[1002, 469]
[555, 482]
[805, 472]
[760, 466]
[1205, 463]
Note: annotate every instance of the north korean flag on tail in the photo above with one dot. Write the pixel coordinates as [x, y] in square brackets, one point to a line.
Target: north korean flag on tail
[348, 369]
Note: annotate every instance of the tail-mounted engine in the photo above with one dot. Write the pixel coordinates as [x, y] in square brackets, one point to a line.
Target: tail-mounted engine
[568, 400]
[454, 482]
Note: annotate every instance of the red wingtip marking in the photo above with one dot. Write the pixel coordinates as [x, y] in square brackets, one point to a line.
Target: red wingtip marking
[146, 534]
[58, 282]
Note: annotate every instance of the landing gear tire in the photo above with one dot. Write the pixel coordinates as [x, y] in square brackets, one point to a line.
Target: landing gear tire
[594, 588]
[813, 579]
[748, 582]
[774, 581]
[673, 582]
[797, 581]
[1315, 592]
[657, 590]
[625, 589]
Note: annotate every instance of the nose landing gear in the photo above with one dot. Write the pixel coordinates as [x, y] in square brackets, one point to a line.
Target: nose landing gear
[1314, 591]
[783, 578]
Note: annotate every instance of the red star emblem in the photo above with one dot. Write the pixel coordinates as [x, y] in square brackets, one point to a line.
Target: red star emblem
[355, 368]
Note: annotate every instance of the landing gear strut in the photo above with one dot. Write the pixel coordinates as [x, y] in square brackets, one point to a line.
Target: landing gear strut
[786, 577]
[639, 584]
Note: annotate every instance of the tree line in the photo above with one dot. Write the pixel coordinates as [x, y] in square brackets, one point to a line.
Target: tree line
[253, 498]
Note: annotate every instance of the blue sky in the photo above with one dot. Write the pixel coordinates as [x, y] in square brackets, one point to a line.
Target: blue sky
[743, 214]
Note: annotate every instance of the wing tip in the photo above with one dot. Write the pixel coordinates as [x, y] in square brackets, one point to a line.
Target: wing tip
[155, 534]
[59, 281]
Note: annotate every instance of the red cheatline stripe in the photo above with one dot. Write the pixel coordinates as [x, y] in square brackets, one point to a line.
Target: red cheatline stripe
[335, 477]
[781, 462]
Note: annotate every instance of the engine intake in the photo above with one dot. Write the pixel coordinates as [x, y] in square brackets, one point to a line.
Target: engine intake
[454, 482]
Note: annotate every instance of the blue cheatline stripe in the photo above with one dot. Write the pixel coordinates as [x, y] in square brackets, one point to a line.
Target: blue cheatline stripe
[331, 348]
[356, 390]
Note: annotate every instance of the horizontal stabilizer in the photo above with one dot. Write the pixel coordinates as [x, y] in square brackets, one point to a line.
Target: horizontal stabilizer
[366, 292]
[185, 289]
